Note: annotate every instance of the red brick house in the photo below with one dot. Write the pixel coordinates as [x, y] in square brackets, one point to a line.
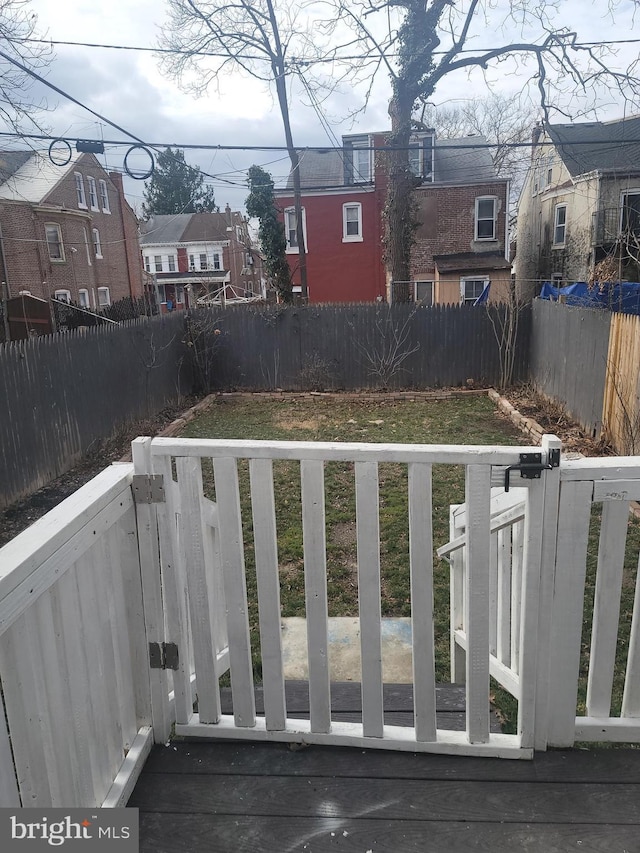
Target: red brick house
[462, 210]
[67, 232]
[199, 257]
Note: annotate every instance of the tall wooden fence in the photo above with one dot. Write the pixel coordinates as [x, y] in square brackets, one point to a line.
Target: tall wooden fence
[355, 346]
[61, 394]
[568, 363]
[621, 409]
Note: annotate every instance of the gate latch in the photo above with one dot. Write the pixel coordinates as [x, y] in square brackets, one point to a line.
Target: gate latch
[531, 466]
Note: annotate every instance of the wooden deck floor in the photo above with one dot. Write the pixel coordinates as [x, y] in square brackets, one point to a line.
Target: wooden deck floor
[242, 798]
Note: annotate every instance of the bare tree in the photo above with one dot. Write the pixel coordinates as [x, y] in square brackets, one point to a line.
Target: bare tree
[267, 39]
[17, 27]
[420, 42]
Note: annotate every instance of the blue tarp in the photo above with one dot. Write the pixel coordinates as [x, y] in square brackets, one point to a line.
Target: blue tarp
[624, 297]
[484, 296]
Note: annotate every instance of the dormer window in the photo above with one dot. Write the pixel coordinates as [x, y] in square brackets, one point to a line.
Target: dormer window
[357, 160]
[421, 156]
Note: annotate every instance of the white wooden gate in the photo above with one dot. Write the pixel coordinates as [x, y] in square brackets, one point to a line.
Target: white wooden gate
[200, 607]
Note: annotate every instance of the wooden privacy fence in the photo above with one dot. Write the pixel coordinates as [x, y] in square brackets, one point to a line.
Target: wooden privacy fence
[621, 408]
[323, 347]
[62, 394]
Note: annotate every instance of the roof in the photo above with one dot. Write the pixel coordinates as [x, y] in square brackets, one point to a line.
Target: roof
[323, 169]
[187, 228]
[30, 175]
[598, 146]
[476, 261]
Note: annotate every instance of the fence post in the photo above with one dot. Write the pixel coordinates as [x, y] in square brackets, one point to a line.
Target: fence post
[150, 572]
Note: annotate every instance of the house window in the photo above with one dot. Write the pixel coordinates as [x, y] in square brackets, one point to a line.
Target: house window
[192, 263]
[485, 219]
[471, 289]
[352, 223]
[82, 201]
[104, 197]
[63, 296]
[423, 292]
[161, 294]
[559, 224]
[248, 259]
[179, 294]
[54, 242]
[86, 245]
[216, 261]
[549, 177]
[157, 263]
[83, 298]
[93, 193]
[421, 158]
[556, 279]
[104, 298]
[203, 262]
[291, 230]
[357, 160]
[147, 263]
[96, 243]
[172, 263]
[630, 221]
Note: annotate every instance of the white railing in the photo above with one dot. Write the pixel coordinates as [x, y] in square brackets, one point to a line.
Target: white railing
[73, 656]
[201, 552]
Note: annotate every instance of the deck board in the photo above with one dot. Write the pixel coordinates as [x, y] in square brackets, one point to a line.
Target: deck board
[230, 796]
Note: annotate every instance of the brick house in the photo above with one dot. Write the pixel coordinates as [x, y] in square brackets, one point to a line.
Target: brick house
[67, 232]
[580, 204]
[462, 212]
[197, 257]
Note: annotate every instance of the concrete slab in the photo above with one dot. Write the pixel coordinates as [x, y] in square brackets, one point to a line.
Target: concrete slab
[344, 649]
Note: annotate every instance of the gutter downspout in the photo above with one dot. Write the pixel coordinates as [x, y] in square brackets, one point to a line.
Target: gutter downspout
[4, 289]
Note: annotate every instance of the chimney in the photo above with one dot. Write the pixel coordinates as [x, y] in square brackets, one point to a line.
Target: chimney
[227, 211]
[116, 177]
[536, 133]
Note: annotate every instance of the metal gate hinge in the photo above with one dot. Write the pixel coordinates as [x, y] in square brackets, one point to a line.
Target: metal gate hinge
[148, 488]
[163, 655]
[531, 466]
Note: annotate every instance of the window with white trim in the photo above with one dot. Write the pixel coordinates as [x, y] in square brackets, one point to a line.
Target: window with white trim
[157, 263]
[172, 263]
[147, 263]
[192, 263]
[291, 230]
[83, 298]
[357, 160]
[161, 294]
[486, 215]
[104, 297]
[217, 263]
[352, 222]
[421, 157]
[63, 296]
[559, 224]
[82, 200]
[630, 218]
[471, 289]
[93, 193]
[86, 245]
[179, 294]
[97, 246]
[556, 279]
[423, 292]
[104, 196]
[203, 262]
[53, 236]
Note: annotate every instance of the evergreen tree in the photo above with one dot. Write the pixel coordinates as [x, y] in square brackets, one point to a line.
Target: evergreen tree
[176, 187]
[261, 205]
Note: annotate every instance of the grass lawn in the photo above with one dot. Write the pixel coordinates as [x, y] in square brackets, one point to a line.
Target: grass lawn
[470, 420]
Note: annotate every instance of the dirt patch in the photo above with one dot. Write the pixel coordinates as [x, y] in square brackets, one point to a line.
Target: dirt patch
[553, 419]
[290, 570]
[310, 424]
[18, 516]
[344, 534]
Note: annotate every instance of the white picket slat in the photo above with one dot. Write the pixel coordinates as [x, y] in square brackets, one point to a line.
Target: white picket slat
[503, 639]
[421, 569]
[517, 548]
[144, 597]
[9, 793]
[315, 575]
[368, 539]
[566, 623]
[176, 615]
[235, 588]
[457, 596]
[606, 607]
[24, 716]
[199, 598]
[268, 583]
[631, 694]
[478, 548]
[493, 593]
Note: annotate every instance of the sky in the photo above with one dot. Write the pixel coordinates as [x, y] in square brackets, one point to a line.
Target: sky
[130, 89]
